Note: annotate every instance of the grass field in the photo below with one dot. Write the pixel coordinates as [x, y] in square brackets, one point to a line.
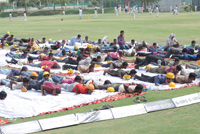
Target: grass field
[145, 27]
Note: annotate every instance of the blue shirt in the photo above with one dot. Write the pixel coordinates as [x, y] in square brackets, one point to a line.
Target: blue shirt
[152, 49]
[159, 79]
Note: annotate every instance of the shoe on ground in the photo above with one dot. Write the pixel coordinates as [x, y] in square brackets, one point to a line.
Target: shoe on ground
[137, 100]
[143, 99]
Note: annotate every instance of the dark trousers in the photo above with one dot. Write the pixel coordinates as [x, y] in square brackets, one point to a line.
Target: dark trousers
[145, 78]
[148, 60]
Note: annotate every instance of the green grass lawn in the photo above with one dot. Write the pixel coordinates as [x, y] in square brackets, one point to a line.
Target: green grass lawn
[145, 27]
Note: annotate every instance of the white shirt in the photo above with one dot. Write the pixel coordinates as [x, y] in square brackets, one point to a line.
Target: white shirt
[80, 11]
[10, 15]
[24, 14]
[74, 40]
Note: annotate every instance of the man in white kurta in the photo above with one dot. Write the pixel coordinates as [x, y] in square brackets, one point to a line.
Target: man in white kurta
[95, 13]
[116, 12]
[25, 18]
[10, 17]
[80, 13]
[157, 11]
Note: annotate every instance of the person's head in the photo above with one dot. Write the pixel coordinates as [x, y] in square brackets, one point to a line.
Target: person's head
[89, 47]
[81, 50]
[86, 38]
[46, 75]
[47, 69]
[34, 75]
[25, 80]
[115, 49]
[78, 79]
[78, 36]
[30, 59]
[133, 73]
[99, 58]
[115, 41]
[20, 42]
[3, 95]
[32, 39]
[94, 60]
[154, 45]
[178, 67]
[121, 53]
[12, 35]
[132, 41]
[24, 68]
[192, 76]
[107, 82]
[138, 89]
[143, 42]
[46, 49]
[176, 61]
[28, 48]
[50, 55]
[191, 51]
[63, 52]
[63, 41]
[144, 46]
[89, 91]
[25, 53]
[97, 50]
[43, 40]
[122, 32]
[58, 44]
[56, 91]
[124, 64]
[193, 43]
[198, 56]
[91, 68]
[170, 76]
[55, 66]
[79, 58]
[172, 35]
[184, 51]
[99, 41]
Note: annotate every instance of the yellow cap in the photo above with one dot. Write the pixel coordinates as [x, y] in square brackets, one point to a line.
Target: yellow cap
[15, 45]
[17, 51]
[6, 45]
[172, 84]
[170, 75]
[61, 58]
[90, 86]
[148, 67]
[126, 77]
[198, 62]
[42, 54]
[43, 67]
[89, 46]
[37, 47]
[50, 39]
[70, 71]
[108, 62]
[97, 65]
[34, 74]
[23, 89]
[45, 73]
[75, 47]
[110, 89]
[8, 33]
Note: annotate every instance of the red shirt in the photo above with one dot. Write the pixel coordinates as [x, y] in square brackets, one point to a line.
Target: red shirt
[49, 87]
[81, 89]
[49, 63]
[42, 58]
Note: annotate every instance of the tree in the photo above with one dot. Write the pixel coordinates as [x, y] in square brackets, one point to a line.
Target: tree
[2, 5]
[62, 2]
[54, 2]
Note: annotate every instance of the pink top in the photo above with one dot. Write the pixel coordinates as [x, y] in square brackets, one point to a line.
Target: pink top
[114, 55]
[69, 81]
[42, 58]
[172, 69]
[49, 87]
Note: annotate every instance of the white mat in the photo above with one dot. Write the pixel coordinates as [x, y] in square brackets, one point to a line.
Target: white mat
[32, 103]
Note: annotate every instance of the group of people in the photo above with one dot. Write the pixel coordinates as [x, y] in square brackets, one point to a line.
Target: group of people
[115, 61]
